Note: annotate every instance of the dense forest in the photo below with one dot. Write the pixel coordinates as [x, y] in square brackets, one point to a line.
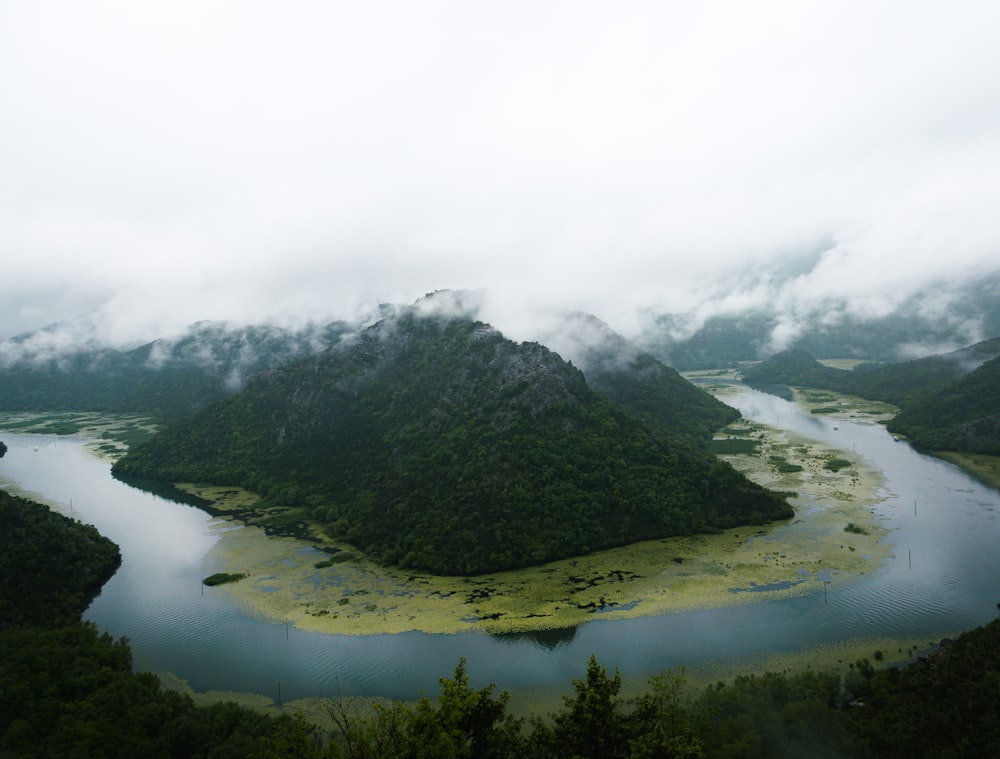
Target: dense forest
[167, 378]
[68, 690]
[731, 337]
[946, 402]
[441, 445]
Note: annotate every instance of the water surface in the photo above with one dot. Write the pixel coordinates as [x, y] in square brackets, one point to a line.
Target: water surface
[943, 578]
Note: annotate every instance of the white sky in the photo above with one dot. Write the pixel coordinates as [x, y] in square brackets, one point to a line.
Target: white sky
[165, 162]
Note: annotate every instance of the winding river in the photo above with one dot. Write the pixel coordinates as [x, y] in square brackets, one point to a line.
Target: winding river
[944, 577]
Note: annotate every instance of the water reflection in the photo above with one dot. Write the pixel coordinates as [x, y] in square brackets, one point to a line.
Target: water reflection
[548, 639]
[943, 530]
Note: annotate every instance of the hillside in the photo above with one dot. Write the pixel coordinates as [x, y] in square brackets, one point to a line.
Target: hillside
[635, 380]
[167, 377]
[439, 444]
[964, 416]
[722, 336]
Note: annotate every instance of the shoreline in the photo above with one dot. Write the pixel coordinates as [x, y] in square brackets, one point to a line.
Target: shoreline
[810, 553]
[349, 595]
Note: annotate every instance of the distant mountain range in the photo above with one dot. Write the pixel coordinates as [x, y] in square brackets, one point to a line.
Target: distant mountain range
[167, 377]
[436, 443]
[940, 318]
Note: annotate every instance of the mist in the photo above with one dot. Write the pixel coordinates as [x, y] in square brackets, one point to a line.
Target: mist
[171, 162]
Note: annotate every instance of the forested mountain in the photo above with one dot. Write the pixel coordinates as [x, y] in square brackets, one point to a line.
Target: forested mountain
[167, 377]
[947, 402]
[963, 416]
[438, 444]
[943, 314]
[637, 381]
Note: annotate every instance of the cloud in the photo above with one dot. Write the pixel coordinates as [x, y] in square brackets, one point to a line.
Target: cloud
[167, 162]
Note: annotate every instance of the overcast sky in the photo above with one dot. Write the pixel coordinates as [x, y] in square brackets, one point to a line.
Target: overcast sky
[166, 162]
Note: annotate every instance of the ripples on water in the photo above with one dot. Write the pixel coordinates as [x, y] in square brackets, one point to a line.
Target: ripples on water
[942, 579]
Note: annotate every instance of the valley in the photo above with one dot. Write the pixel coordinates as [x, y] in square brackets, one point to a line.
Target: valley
[737, 566]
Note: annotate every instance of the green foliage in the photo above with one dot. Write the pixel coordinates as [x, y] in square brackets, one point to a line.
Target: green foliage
[945, 705]
[593, 722]
[52, 567]
[776, 714]
[442, 446]
[835, 464]
[851, 527]
[221, 578]
[733, 445]
[947, 402]
[964, 416]
[67, 689]
[660, 397]
[461, 722]
[166, 378]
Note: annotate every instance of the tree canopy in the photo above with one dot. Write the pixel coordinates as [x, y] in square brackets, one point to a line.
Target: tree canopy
[441, 445]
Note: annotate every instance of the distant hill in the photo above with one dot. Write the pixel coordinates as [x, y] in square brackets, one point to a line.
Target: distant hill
[947, 402]
[167, 377]
[636, 380]
[439, 444]
[945, 314]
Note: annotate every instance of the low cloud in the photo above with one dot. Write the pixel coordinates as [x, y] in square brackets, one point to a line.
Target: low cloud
[167, 163]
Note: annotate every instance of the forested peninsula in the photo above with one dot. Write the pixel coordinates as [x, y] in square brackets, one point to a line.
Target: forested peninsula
[438, 444]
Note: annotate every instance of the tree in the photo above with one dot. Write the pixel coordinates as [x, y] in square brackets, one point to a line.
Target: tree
[662, 723]
[592, 725]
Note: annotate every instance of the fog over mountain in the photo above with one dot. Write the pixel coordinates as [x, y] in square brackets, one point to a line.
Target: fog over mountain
[656, 165]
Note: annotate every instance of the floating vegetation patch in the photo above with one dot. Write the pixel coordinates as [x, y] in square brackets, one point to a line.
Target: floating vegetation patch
[221, 578]
[825, 410]
[856, 529]
[835, 465]
[110, 434]
[786, 468]
[733, 445]
[767, 587]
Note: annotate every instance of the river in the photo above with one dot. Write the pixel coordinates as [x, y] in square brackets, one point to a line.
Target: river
[944, 577]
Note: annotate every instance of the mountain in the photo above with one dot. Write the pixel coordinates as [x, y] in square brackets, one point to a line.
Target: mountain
[893, 383]
[963, 416]
[634, 379]
[439, 444]
[941, 316]
[64, 368]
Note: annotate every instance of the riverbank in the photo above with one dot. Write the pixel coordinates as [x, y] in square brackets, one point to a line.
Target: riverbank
[312, 582]
[833, 537]
[984, 468]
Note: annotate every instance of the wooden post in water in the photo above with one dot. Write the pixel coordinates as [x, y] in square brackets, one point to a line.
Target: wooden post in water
[286, 628]
[279, 692]
[909, 555]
